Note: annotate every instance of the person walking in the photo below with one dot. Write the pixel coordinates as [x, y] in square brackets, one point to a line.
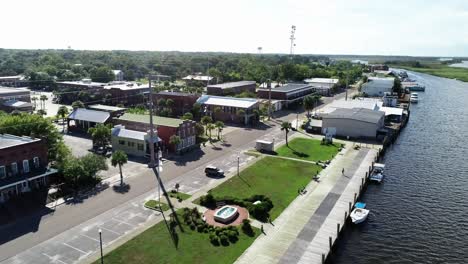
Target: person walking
[342, 171]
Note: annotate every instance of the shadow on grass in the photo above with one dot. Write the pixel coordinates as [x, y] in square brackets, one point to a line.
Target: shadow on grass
[299, 154]
[124, 188]
[172, 232]
[240, 177]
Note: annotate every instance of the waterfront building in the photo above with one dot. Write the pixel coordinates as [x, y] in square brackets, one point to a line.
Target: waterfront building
[378, 86]
[359, 123]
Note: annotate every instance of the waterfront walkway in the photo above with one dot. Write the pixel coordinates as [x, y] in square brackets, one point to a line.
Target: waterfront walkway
[301, 233]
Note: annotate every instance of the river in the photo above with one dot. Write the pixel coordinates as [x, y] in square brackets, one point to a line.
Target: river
[420, 213]
[463, 64]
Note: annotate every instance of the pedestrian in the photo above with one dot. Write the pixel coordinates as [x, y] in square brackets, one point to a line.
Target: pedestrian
[342, 171]
[261, 228]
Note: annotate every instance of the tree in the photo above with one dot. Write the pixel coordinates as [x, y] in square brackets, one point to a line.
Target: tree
[217, 110]
[199, 129]
[209, 128]
[286, 126]
[77, 104]
[308, 104]
[119, 158]
[205, 121]
[41, 112]
[397, 88]
[187, 116]
[34, 100]
[72, 172]
[100, 134]
[219, 126]
[82, 171]
[62, 112]
[43, 98]
[196, 110]
[102, 74]
[175, 140]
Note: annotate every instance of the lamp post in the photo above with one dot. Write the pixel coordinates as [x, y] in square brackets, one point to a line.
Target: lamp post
[100, 243]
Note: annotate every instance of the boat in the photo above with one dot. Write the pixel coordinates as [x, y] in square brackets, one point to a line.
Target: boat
[360, 205]
[359, 215]
[414, 98]
[377, 174]
[417, 88]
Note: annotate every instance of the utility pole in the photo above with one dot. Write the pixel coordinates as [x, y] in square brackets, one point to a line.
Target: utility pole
[292, 38]
[347, 82]
[152, 162]
[269, 99]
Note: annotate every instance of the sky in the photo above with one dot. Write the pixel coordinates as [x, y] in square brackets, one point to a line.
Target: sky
[364, 27]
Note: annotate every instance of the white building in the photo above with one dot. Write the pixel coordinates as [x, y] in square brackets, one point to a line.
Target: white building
[119, 75]
[377, 86]
[323, 86]
[354, 123]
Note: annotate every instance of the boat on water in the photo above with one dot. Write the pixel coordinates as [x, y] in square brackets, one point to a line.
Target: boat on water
[377, 174]
[414, 98]
[417, 88]
[359, 215]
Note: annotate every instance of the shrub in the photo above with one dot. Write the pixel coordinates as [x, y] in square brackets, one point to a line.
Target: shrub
[247, 228]
[232, 235]
[214, 239]
[192, 226]
[224, 240]
[200, 228]
[208, 201]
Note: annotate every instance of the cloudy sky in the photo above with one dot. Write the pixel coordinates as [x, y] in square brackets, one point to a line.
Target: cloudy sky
[397, 27]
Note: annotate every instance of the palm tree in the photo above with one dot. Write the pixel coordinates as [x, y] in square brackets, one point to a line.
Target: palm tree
[62, 112]
[43, 99]
[210, 127]
[205, 121]
[219, 126]
[119, 158]
[34, 99]
[286, 126]
[41, 112]
[309, 103]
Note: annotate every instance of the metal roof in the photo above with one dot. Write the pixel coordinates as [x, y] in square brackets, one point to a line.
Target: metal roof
[321, 80]
[106, 107]
[17, 104]
[198, 78]
[359, 114]
[122, 132]
[7, 140]
[231, 84]
[176, 93]
[227, 101]
[11, 90]
[89, 115]
[290, 87]
[158, 120]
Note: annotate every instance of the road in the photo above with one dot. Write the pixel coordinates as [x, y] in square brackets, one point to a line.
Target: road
[35, 239]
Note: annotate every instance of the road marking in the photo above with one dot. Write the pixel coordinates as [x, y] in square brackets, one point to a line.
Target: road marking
[111, 231]
[77, 249]
[54, 259]
[89, 237]
[120, 221]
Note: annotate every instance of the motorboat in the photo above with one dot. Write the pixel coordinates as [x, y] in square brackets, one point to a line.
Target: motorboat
[359, 215]
[360, 205]
[377, 174]
[414, 98]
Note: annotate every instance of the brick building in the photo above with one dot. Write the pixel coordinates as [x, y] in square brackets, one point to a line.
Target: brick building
[166, 127]
[12, 99]
[126, 93]
[288, 94]
[231, 88]
[23, 165]
[183, 102]
[230, 109]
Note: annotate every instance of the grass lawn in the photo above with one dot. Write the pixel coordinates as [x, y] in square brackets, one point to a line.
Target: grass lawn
[154, 205]
[177, 195]
[279, 179]
[438, 69]
[308, 149]
[155, 245]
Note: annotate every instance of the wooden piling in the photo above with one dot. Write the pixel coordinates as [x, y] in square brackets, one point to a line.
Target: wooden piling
[350, 206]
[330, 242]
[337, 230]
[323, 258]
[345, 217]
[355, 197]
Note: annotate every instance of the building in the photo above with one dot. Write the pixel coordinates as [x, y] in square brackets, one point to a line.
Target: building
[165, 126]
[23, 165]
[288, 94]
[183, 102]
[378, 67]
[358, 123]
[377, 86]
[118, 75]
[323, 86]
[71, 91]
[135, 143]
[126, 93]
[230, 109]
[14, 81]
[231, 88]
[198, 80]
[82, 119]
[18, 99]
[114, 111]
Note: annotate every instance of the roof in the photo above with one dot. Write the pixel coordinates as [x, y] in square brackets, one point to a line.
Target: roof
[357, 103]
[158, 120]
[176, 93]
[198, 78]
[359, 114]
[83, 83]
[7, 140]
[106, 108]
[227, 101]
[14, 77]
[290, 87]
[126, 86]
[229, 85]
[392, 111]
[11, 90]
[122, 132]
[89, 115]
[17, 104]
[321, 80]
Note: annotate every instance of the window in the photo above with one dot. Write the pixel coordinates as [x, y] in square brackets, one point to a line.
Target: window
[122, 142]
[2, 172]
[36, 162]
[131, 144]
[25, 166]
[140, 147]
[14, 168]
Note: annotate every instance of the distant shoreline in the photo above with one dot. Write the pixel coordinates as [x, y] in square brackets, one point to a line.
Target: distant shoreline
[440, 70]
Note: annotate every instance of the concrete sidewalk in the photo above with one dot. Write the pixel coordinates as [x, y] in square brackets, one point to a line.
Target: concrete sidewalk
[300, 222]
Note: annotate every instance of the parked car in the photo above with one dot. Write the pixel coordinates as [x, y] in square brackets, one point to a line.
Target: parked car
[213, 171]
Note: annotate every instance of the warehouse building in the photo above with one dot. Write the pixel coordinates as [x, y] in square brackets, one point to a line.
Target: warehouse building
[359, 123]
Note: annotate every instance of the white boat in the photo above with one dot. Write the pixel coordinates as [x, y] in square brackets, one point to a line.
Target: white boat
[359, 215]
[414, 97]
[377, 173]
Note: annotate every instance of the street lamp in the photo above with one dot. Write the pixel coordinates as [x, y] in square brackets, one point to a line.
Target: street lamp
[100, 243]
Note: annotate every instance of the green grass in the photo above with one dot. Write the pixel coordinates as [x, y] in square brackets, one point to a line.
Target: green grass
[155, 245]
[438, 69]
[182, 196]
[279, 179]
[154, 205]
[308, 149]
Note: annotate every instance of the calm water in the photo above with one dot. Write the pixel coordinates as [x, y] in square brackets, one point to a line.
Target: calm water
[463, 64]
[420, 213]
